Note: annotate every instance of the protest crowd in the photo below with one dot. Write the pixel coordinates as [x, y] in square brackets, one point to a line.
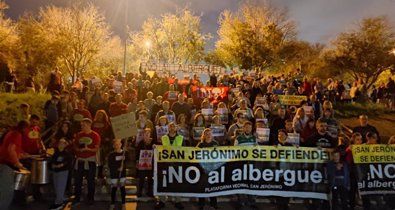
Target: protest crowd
[231, 109]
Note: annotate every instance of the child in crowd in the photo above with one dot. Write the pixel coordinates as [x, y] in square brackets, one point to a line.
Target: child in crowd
[144, 157]
[60, 165]
[339, 181]
[116, 164]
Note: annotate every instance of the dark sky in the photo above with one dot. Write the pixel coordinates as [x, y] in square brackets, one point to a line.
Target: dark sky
[317, 20]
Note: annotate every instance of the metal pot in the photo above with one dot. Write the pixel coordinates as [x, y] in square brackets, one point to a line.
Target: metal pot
[21, 179]
[40, 172]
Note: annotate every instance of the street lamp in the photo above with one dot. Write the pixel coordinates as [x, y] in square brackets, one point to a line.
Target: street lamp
[148, 46]
[126, 37]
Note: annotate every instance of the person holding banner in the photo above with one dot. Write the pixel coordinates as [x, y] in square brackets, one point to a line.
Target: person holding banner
[207, 141]
[277, 122]
[282, 202]
[246, 139]
[248, 113]
[175, 140]
[218, 131]
[161, 129]
[171, 116]
[183, 128]
[199, 123]
[116, 164]
[356, 139]
[235, 128]
[339, 181]
[171, 95]
[321, 138]
[300, 120]
[364, 127]
[144, 160]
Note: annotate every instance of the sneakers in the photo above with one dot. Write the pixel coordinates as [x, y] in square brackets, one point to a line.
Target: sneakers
[179, 206]
[159, 205]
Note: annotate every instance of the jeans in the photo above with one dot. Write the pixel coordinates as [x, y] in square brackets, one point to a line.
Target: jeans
[90, 176]
[6, 186]
[60, 182]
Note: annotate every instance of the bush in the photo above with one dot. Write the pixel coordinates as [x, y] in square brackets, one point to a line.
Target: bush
[9, 105]
[348, 110]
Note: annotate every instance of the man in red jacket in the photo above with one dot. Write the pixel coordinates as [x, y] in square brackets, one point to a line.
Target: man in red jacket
[10, 153]
[118, 107]
[86, 144]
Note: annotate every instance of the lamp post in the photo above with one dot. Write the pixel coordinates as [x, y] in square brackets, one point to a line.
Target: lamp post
[148, 46]
[126, 36]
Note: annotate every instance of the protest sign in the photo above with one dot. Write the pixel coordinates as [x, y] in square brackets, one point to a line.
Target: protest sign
[223, 115]
[161, 131]
[213, 92]
[197, 133]
[183, 132]
[208, 114]
[218, 130]
[183, 68]
[124, 125]
[171, 118]
[375, 167]
[172, 96]
[140, 136]
[259, 101]
[259, 170]
[263, 135]
[291, 100]
[293, 138]
[145, 160]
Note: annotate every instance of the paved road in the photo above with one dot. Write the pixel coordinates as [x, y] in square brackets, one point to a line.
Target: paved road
[150, 205]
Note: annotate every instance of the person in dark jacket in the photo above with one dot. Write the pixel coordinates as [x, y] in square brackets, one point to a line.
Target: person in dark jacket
[207, 141]
[364, 128]
[144, 157]
[60, 165]
[116, 164]
[339, 181]
[282, 202]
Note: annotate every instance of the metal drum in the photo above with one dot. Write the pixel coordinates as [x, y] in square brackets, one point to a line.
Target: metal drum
[40, 171]
[21, 179]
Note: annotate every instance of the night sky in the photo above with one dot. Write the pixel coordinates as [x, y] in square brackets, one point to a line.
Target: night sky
[317, 20]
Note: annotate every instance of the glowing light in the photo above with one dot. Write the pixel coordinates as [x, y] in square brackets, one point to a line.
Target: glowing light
[148, 44]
